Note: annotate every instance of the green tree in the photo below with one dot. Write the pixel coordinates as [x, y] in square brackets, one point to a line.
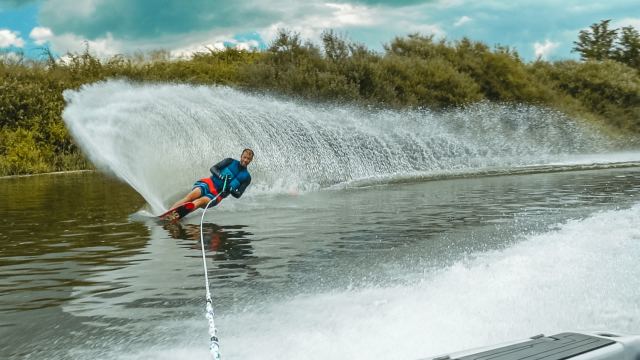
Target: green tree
[628, 49]
[335, 48]
[596, 43]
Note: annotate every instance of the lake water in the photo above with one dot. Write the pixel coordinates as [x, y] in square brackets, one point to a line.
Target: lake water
[366, 233]
[389, 270]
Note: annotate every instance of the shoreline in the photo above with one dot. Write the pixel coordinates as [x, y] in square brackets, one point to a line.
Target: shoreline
[47, 173]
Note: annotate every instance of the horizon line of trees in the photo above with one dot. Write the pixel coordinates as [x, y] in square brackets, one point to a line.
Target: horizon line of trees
[413, 71]
[600, 42]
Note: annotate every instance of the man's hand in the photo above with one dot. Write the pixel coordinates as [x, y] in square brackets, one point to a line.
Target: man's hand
[226, 184]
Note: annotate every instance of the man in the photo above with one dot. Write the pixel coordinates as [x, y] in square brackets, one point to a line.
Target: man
[229, 176]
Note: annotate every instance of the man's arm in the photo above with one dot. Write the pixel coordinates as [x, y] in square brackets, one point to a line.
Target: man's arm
[215, 169]
[236, 193]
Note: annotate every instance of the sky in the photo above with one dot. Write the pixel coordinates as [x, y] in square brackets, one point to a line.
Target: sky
[535, 28]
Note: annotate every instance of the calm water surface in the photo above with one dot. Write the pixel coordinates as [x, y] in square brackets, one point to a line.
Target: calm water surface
[430, 267]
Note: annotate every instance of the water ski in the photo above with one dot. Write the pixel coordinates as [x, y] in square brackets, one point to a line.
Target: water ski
[178, 212]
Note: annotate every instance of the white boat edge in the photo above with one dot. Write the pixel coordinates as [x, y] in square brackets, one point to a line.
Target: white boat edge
[624, 347]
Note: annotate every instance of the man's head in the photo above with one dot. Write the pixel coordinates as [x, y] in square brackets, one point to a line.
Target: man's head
[246, 157]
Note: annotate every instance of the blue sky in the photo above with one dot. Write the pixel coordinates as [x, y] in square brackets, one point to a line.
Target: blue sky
[534, 28]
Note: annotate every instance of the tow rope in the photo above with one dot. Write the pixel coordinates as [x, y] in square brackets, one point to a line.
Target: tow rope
[214, 347]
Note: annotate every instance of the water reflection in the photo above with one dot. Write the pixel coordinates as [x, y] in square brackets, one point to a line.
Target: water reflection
[229, 245]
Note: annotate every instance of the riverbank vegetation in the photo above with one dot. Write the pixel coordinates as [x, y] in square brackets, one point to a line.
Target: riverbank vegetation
[415, 71]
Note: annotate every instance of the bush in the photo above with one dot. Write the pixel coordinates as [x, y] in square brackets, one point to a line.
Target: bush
[607, 88]
[415, 82]
[21, 154]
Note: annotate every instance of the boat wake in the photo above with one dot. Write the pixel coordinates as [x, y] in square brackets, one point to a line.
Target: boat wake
[579, 275]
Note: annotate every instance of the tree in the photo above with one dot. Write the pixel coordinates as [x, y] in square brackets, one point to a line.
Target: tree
[286, 41]
[628, 49]
[335, 48]
[596, 43]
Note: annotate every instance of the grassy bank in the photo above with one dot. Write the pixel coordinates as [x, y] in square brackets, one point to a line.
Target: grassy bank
[412, 72]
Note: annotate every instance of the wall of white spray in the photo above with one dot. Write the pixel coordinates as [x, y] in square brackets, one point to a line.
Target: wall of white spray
[160, 138]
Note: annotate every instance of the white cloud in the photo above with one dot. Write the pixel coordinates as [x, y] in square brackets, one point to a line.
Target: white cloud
[180, 46]
[543, 51]
[313, 19]
[635, 22]
[372, 25]
[247, 45]
[102, 47]
[588, 8]
[350, 15]
[403, 21]
[346, 18]
[462, 20]
[449, 3]
[10, 38]
[40, 35]
[67, 10]
[188, 51]
[269, 33]
[424, 29]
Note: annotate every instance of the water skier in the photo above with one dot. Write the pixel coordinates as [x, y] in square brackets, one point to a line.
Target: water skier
[229, 176]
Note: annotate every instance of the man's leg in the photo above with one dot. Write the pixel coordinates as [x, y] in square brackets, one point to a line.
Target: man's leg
[193, 195]
[202, 202]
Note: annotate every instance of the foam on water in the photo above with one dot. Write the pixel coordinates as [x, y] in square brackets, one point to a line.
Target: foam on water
[579, 275]
[160, 138]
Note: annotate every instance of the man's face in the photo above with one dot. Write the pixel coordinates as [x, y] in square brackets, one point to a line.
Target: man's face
[245, 158]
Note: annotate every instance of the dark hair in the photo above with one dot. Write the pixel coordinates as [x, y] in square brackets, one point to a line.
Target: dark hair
[249, 150]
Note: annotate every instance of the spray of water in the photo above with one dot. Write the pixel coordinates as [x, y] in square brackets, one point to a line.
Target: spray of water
[160, 138]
